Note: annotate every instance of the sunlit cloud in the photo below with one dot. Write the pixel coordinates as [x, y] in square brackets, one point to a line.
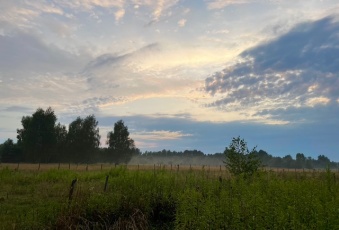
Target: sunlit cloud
[317, 100]
[160, 135]
[219, 4]
[182, 22]
[119, 14]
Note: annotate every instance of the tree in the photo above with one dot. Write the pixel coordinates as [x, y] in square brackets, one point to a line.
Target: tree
[83, 139]
[300, 160]
[37, 137]
[288, 161]
[120, 146]
[323, 161]
[10, 152]
[61, 146]
[239, 160]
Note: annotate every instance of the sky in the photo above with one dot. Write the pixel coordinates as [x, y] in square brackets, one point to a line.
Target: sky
[181, 74]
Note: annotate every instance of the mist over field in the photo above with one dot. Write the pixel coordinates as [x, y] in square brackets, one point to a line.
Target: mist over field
[176, 160]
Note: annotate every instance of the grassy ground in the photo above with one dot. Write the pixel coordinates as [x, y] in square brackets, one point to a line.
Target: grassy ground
[156, 197]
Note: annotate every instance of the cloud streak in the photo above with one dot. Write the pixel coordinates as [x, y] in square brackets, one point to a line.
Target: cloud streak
[219, 4]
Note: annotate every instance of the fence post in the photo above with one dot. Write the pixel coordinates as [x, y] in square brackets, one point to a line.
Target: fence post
[101, 167]
[39, 167]
[59, 166]
[106, 183]
[71, 190]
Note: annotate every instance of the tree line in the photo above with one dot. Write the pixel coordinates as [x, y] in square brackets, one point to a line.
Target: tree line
[42, 140]
[300, 161]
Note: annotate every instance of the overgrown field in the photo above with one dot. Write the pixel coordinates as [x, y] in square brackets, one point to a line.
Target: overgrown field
[160, 198]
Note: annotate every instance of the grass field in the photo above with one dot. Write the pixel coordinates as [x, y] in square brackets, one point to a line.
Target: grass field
[161, 197]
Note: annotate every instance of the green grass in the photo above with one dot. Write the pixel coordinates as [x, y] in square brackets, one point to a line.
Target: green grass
[163, 199]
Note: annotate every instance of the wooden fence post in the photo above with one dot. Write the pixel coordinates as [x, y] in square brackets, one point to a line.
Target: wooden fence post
[106, 183]
[71, 190]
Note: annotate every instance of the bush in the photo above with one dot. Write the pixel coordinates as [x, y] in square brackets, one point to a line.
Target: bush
[239, 160]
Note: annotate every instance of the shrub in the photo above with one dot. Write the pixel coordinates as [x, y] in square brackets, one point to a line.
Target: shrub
[239, 160]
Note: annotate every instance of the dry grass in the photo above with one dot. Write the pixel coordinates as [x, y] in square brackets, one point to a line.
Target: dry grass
[142, 167]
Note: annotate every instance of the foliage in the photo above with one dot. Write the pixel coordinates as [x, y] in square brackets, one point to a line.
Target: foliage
[164, 199]
[239, 160]
[83, 139]
[37, 138]
[120, 146]
[10, 152]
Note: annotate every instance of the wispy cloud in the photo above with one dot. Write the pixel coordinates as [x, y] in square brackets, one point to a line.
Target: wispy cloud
[219, 4]
[160, 135]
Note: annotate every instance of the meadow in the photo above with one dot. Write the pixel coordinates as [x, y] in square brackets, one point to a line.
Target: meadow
[34, 196]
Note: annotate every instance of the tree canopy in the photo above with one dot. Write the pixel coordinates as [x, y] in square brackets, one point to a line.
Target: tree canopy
[83, 138]
[37, 136]
[120, 146]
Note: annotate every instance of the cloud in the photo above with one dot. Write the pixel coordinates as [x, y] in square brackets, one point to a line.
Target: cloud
[160, 135]
[219, 4]
[24, 52]
[318, 113]
[311, 45]
[17, 109]
[182, 22]
[298, 69]
[119, 14]
[160, 6]
[87, 5]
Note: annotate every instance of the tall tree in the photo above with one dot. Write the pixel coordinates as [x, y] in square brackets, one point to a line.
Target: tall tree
[120, 146]
[61, 146]
[83, 139]
[37, 137]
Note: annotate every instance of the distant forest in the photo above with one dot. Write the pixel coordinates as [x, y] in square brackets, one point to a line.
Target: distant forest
[42, 140]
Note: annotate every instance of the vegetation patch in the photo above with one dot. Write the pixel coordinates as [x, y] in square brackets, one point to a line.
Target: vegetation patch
[168, 199]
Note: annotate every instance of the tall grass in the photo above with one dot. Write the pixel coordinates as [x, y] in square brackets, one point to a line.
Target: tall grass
[162, 199]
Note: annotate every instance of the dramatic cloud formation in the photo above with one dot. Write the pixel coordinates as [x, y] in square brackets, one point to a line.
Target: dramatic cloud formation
[296, 71]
